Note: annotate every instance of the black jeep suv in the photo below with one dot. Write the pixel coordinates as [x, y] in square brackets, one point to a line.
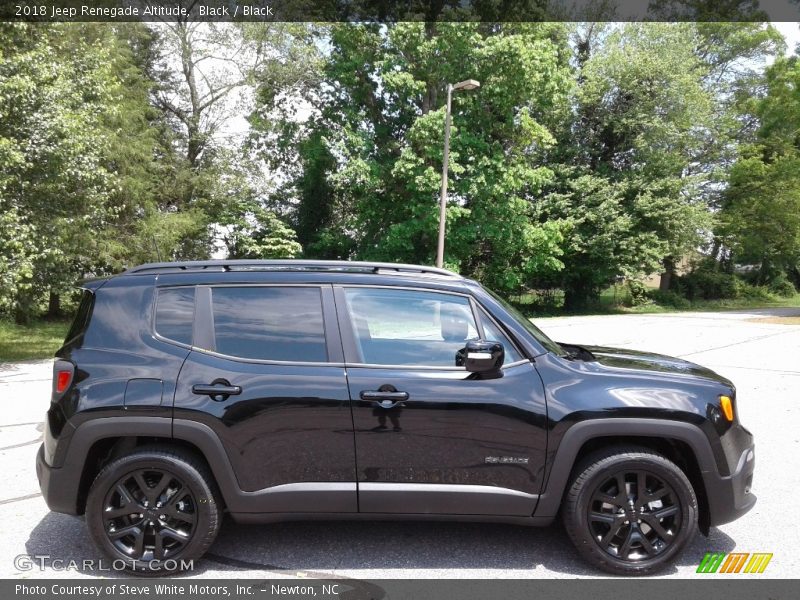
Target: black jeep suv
[278, 390]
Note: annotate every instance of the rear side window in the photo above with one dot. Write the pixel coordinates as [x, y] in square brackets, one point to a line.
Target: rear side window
[175, 314]
[269, 323]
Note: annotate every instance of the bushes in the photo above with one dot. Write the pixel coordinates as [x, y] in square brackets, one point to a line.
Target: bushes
[706, 284]
[638, 293]
[781, 286]
[669, 298]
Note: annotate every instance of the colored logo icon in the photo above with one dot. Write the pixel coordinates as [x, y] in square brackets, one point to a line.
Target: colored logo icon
[734, 562]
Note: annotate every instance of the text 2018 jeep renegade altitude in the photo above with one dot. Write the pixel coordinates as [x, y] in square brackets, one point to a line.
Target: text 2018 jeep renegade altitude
[277, 390]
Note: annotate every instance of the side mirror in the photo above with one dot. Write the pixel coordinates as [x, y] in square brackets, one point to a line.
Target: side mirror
[480, 356]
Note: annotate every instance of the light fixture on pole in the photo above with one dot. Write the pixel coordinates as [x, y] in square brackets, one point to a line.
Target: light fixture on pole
[468, 84]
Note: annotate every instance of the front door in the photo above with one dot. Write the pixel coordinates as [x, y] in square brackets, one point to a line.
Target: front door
[266, 375]
[432, 438]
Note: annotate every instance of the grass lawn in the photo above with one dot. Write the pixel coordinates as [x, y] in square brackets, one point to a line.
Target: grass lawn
[40, 339]
[613, 302]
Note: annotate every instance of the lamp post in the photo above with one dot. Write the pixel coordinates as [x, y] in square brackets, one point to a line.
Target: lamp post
[468, 84]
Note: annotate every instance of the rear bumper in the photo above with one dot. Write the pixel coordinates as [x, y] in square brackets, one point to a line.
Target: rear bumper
[59, 486]
[731, 497]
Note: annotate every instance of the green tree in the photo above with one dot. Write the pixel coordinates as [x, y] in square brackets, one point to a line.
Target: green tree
[373, 146]
[51, 132]
[651, 137]
[760, 217]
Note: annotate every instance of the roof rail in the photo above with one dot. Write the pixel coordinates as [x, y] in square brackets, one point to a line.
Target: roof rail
[287, 265]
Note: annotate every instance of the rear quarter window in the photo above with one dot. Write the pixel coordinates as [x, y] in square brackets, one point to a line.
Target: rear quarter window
[81, 320]
[175, 314]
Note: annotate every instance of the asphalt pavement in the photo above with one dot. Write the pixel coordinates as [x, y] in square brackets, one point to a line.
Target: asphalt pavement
[761, 358]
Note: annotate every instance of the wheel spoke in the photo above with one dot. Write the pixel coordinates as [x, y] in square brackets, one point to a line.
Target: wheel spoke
[124, 494]
[665, 512]
[122, 511]
[138, 543]
[145, 489]
[158, 548]
[657, 527]
[167, 531]
[611, 534]
[172, 511]
[649, 548]
[622, 490]
[161, 486]
[123, 531]
[605, 498]
[657, 495]
[626, 545]
[603, 517]
[641, 486]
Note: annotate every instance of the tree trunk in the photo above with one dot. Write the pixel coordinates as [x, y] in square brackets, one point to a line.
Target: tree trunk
[666, 276]
[578, 295]
[54, 306]
[22, 309]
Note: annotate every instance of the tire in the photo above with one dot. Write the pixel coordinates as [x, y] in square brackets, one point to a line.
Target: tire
[154, 510]
[629, 533]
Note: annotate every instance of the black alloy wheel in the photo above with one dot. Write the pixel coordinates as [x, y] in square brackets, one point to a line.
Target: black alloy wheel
[634, 515]
[156, 510]
[149, 514]
[629, 510]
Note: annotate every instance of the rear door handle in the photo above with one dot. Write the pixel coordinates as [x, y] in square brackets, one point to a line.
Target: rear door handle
[219, 389]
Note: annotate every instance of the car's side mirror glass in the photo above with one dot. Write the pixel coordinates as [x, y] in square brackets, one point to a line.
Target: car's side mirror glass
[480, 356]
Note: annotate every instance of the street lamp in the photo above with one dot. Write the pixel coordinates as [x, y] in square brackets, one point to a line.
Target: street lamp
[468, 84]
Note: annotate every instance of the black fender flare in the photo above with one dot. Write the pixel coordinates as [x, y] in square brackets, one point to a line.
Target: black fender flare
[580, 433]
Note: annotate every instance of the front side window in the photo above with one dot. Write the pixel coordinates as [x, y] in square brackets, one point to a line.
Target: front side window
[269, 323]
[493, 333]
[409, 327]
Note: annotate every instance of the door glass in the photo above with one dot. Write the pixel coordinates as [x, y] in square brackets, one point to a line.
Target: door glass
[175, 314]
[409, 327]
[269, 323]
[493, 333]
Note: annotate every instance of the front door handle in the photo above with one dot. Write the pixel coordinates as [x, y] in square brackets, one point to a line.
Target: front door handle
[219, 389]
[384, 399]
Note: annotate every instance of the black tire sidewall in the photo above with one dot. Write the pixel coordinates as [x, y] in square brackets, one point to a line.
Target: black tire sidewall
[578, 521]
[206, 509]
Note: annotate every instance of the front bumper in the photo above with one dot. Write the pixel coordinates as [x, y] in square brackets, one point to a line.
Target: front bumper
[59, 486]
[730, 497]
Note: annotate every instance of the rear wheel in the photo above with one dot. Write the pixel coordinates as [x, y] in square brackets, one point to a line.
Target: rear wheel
[155, 509]
[630, 511]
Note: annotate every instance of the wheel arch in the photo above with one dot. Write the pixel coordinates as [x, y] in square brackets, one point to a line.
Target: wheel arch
[683, 443]
[99, 441]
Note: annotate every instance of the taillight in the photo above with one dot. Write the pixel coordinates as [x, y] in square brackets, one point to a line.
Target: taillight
[63, 379]
[63, 374]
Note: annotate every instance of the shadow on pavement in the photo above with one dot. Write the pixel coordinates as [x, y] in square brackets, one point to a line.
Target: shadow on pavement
[316, 549]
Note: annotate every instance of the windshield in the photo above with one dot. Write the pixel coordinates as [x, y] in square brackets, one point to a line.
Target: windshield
[529, 327]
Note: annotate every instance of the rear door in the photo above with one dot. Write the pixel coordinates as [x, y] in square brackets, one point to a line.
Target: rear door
[431, 437]
[266, 374]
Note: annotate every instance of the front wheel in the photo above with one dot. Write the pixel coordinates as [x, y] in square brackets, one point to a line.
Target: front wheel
[630, 511]
[154, 510]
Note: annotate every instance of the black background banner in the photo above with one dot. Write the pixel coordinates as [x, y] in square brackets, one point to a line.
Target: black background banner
[387, 11]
